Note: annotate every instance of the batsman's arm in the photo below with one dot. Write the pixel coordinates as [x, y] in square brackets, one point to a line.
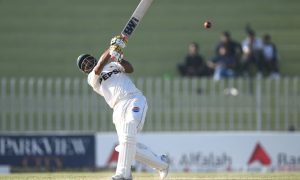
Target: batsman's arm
[128, 68]
[105, 57]
[102, 61]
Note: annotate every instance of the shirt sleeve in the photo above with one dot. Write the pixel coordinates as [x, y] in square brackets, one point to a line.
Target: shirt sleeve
[93, 79]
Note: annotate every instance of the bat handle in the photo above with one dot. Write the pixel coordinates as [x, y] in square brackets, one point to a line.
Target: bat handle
[125, 37]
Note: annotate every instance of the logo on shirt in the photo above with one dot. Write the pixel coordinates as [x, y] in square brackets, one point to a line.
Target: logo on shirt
[105, 76]
[135, 109]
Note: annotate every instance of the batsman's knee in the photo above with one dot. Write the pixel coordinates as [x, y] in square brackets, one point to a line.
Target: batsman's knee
[129, 133]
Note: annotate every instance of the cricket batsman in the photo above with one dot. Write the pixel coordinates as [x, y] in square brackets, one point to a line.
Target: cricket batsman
[108, 77]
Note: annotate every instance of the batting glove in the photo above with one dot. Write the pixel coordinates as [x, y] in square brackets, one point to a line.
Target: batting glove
[116, 53]
[119, 41]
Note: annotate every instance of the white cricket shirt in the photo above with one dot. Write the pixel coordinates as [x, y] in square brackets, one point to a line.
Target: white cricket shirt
[113, 83]
[256, 45]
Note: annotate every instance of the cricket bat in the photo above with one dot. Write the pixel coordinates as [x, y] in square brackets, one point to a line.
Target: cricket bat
[136, 18]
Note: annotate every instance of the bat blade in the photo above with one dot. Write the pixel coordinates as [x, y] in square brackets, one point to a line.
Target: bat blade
[136, 17]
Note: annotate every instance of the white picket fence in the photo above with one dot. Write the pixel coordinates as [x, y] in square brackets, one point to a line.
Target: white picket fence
[69, 104]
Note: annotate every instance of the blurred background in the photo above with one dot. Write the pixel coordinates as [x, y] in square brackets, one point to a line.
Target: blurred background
[229, 106]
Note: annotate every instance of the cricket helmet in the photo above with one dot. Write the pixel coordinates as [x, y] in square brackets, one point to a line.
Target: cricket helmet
[86, 63]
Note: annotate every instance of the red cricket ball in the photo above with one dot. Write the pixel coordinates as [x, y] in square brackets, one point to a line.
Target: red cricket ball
[207, 24]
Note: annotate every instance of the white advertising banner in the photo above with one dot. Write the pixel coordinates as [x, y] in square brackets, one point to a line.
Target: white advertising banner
[215, 151]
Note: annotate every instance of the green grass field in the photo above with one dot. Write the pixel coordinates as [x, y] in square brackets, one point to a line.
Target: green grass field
[147, 176]
[43, 38]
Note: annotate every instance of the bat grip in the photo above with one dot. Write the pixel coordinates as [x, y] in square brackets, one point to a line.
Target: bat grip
[125, 37]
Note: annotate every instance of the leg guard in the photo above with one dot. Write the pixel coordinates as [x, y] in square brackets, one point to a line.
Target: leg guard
[127, 149]
[146, 156]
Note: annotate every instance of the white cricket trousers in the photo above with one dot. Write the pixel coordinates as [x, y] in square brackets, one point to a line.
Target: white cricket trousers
[129, 117]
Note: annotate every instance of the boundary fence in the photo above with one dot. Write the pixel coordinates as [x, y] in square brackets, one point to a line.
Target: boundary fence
[69, 104]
